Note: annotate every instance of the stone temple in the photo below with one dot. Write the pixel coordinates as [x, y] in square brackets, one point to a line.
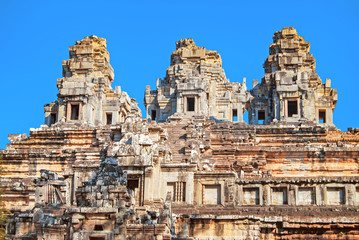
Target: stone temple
[193, 168]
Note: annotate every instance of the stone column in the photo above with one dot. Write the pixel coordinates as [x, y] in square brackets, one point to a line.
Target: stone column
[283, 109]
[322, 194]
[266, 195]
[328, 116]
[189, 188]
[240, 195]
[80, 111]
[203, 104]
[212, 99]
[115, 117]
[350, 192]
[276, 109]
[61, 110]
[147, 115]
[98, 115]
[301, 107]
[240, 112]
[173, 106]
[88, 112]
[291, 195]
[179, 107]
[47, 118]
[197, 107]
[68, 117]
[147, 182]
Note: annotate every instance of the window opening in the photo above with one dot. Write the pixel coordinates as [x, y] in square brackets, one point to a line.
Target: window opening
[132, 184]
[190, 104]
[97, 238]
[261, 116]
[321, 116]
[292, 108]
[108, 118]
[52, 118]
[98, 227]
[171, 187]
[74, 112]
[234, 115]
[153, 115]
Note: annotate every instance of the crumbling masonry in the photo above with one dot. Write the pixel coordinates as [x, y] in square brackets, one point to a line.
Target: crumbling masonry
[192, 169]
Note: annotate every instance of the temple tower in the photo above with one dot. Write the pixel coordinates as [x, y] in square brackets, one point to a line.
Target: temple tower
[85, 92]
[291, 90]
[196, 85]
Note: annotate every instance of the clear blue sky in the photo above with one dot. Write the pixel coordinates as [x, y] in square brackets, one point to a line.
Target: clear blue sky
[35, 36]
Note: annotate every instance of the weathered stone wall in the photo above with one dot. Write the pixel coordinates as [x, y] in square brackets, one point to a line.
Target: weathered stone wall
[231, 180]
[191, 177]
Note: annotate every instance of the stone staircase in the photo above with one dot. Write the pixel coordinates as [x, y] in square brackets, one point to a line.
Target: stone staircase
[88, 158]
[177, 141]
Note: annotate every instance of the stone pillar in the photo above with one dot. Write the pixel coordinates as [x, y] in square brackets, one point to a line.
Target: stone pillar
[329, 116]
[159, 114]
[323, 195]
[203, 105]
[61, 110]
[90, 106]
[98, 115]
[282, 109]
[47, 118]
[179, 107]
[173, 106]
[147, 114]
[240, 195]
[88, 112]
[301, 108]
[266, 195]
[350, 190]
[277, 109]
[68, 111]
[240, 112]
[255, 116]
[115, 117]
[75, 184]
[184, 104]
[198, 193]
[291, 195]
[80, 111]
[148, 182]
[197, 107]
[212, 99]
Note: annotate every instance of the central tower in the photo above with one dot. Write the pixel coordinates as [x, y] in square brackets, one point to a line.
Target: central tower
[196, 85]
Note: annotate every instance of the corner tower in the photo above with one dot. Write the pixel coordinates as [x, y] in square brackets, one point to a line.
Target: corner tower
[196, 86]
[291, 90]
[85, 92]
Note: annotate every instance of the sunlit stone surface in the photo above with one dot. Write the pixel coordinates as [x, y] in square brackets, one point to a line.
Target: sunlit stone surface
[192, 169]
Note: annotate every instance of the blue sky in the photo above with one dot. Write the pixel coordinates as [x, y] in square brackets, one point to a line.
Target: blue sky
[35, 36]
